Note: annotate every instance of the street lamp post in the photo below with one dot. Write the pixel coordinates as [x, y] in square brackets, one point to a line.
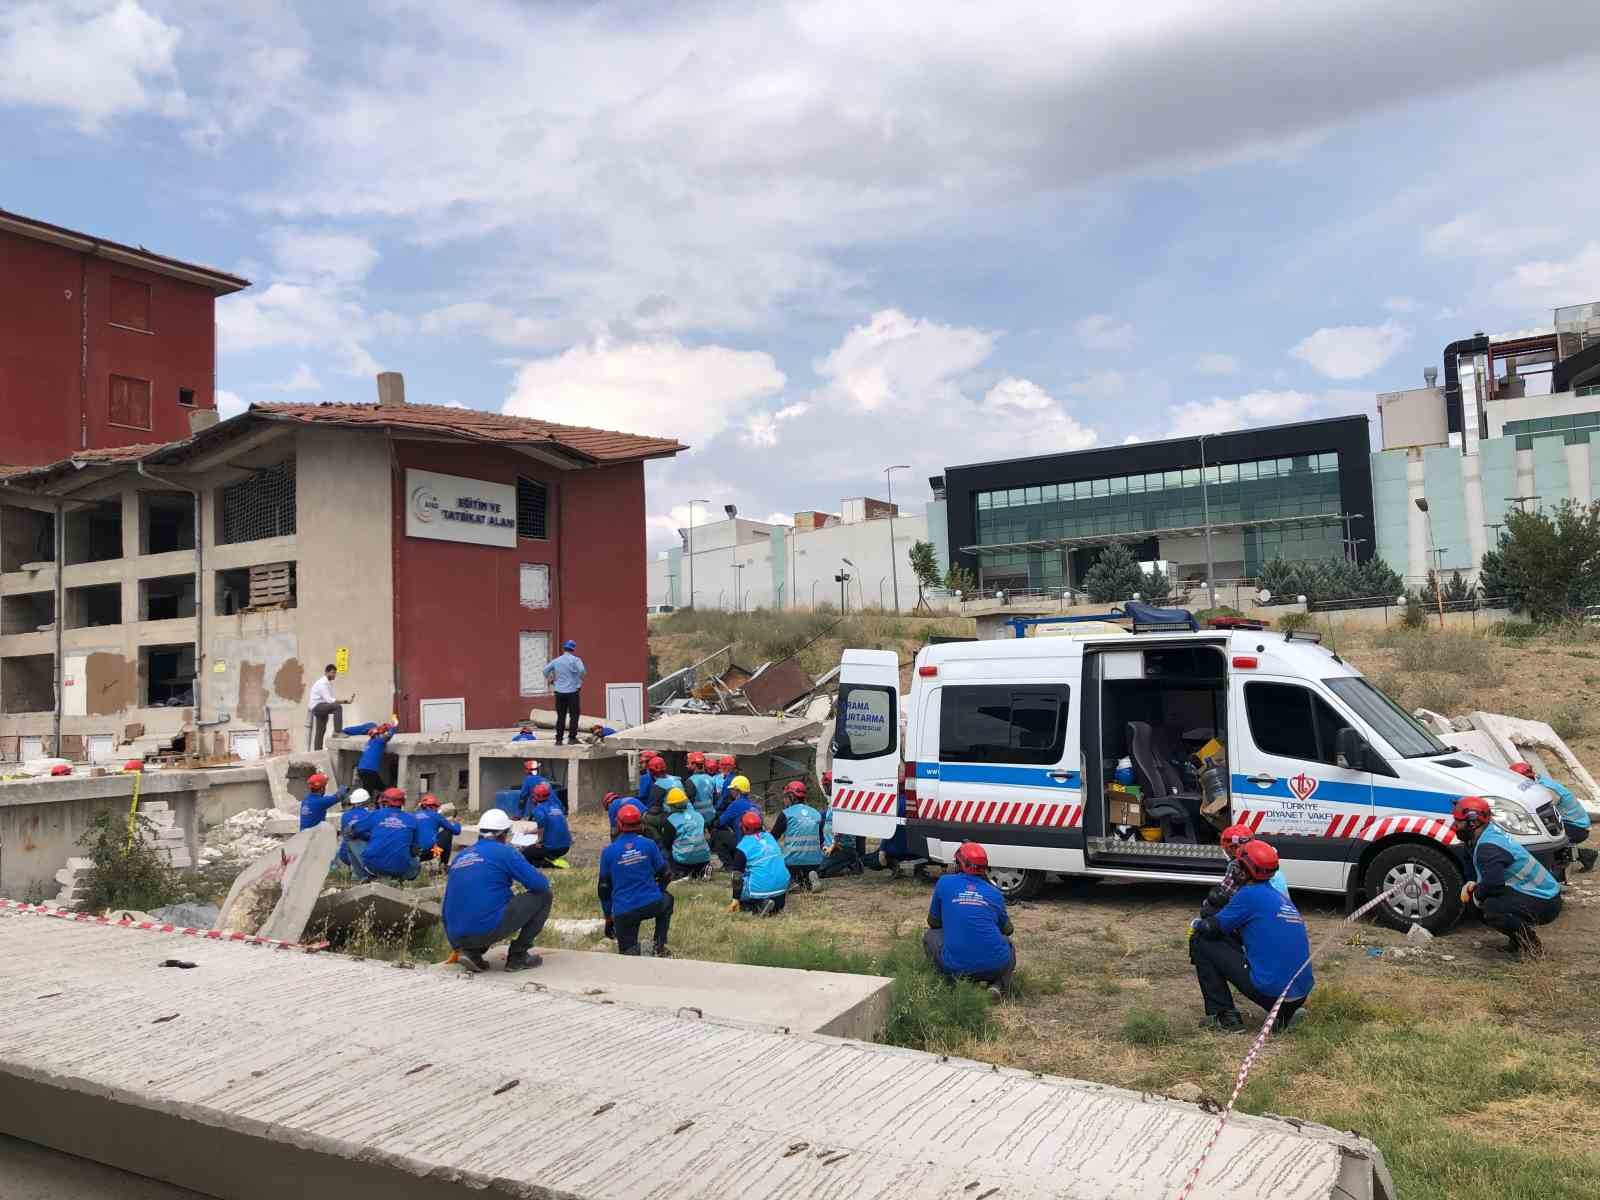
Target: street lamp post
[692, 503]
[1437, 554]
[738, 581]
[894, 568]
[1205, 518]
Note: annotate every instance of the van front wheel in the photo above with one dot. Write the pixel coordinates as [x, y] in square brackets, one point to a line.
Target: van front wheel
[1427, 886]
[1015, 883]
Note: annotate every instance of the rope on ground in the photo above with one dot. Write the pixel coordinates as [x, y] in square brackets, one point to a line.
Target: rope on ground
[210, 935]
[1266, 1031]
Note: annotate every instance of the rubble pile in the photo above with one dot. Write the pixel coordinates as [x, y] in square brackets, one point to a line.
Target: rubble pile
[244, 837]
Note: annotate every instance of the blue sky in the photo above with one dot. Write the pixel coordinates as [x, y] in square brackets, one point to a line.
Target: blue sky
[815, 239]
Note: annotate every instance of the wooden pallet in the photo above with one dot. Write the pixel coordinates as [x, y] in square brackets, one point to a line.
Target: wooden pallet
[270, 583]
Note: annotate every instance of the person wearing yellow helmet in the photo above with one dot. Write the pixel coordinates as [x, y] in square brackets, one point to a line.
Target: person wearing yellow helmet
[688, 852]
[726, 838]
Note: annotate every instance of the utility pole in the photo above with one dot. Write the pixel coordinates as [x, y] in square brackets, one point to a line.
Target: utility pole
[1205, 517]
[738, 587]
[1522, 501]
[1438, 584]
[894, 569]
[1350, 542]
[692, 503]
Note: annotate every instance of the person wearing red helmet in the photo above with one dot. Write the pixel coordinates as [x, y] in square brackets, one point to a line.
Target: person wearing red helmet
[633, 885]
[1575, 818]
[702, 787]
[395, 846]
[1256, 943]
[555, 835]
[369, 767]
[798, 830]
[969, 930]
[651, 768]
[1234, 839]
[1506, 883]
[436, 831]
[531, 778]
[760, 878]
[315, 804]
[727, 769]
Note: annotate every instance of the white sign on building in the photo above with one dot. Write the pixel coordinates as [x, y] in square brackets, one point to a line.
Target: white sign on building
[451, 508]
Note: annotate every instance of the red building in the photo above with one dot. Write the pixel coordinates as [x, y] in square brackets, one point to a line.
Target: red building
[101, 344]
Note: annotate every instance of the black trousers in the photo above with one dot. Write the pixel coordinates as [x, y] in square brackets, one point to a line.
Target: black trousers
[370, 780]
[567, 715]
[320, 714]
[725, 842]
[1219, 962]
[525, 917]
[543, 856]
[843, 861]
[627, 924]
[933, 947]
[797, 875]
[682, 870]
[446, 842]
[1513, 913]
[754, 906]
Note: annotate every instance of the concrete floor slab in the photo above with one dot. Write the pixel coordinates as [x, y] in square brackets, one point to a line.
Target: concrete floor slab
[212, 1079]
[386, 904]
[275, 895]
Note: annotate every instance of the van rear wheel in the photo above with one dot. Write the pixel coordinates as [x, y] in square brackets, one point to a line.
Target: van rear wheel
[1016, 883]
[1427, 883]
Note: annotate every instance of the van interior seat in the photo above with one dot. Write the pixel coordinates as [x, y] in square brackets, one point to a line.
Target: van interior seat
[1161, 787]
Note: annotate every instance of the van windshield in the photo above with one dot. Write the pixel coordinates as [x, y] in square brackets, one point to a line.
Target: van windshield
[1400, 729]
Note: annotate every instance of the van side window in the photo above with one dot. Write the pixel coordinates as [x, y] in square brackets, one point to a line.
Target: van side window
[1292, 721]
[1002, 724]
[867, 722]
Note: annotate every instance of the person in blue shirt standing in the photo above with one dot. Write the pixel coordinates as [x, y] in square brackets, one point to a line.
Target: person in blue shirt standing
[653, 769]
[760, 878]
[1257, 943]
[633, 879]
[436, 832]
[1507, 883]
[1574, 816]
[355, 826]
[369, 768]
[689, 851]
[479, 909]
[316, 803]
[555, 835]
[969, 929]
[798, 830]
[565, 673]
[531, 779]
[726, 834]
[394, 847]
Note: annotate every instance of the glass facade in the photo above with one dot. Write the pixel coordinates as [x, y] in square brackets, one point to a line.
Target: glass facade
[1300, 486]
[1573, 429]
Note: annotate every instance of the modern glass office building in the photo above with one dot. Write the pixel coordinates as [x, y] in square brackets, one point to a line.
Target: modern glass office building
[1290, 491]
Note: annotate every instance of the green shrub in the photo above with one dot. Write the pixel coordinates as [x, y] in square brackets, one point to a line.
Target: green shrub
[1148, 1027]
[1221, 610]
[1514, 629]
[928, 1011]
[1413, 615]
[1289, 622]
[127, 873]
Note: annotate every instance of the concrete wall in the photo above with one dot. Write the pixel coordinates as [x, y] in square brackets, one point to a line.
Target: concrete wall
[1415, 417]
[1528, 408]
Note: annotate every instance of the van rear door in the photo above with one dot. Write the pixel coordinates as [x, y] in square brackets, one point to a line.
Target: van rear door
[866, 745]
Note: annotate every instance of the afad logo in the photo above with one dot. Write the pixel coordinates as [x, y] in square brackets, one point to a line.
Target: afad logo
[1303, 786]
[424, 503]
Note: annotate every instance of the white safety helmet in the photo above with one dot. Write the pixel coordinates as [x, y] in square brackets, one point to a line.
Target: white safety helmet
[494, 821]
[357, 798]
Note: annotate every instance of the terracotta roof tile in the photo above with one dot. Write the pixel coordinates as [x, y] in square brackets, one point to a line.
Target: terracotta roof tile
[598, 445]
[109, 454]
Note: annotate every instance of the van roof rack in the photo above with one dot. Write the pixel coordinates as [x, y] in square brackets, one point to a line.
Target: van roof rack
[1303, 635]
[1144, 618]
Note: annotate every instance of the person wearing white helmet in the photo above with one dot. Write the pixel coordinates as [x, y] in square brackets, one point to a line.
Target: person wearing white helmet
[355, 829]
[479, 908]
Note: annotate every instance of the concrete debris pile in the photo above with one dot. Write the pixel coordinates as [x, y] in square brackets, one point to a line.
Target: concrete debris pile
[246, 836]
[74, 882]
[162, 831]
[1501, 740]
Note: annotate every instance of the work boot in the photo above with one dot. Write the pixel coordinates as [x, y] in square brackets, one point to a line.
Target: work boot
[523, 961]
[1527, 943]
[995, 994]
[813, 881]
[1586, 860]
[768, 907]
[473, 962]
[661, 950]
[1226, 1021]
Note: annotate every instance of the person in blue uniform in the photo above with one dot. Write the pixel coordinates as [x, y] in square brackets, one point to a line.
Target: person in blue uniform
[315, 804]
[689, 852]
[727, 832]
[526, 734]
[841, 851]
[1257, 943]
[1575, 818]
[760, 878]
[355, 827]
[702, 789]
[633, 880]
[798, 830]
[1504, 881]
[531, 779]
[394, 847]
[655, 770]
[369, 767]
[555, 835]
[479, 908]
[1234, 839]
[969, 929]
[436, 832]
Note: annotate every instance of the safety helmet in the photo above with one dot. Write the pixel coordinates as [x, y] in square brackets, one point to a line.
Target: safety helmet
[531, 766]
[317, 781]
[628, 817]
[972, 858]
[750, 822]
[133, 764]
[1260, 860]
[727, 762]
[394, 796]
[1471, 812]
[569, 644]
[657, 765]
[542, 790]
[696, 758]
[1234, 838]
[1522, 768]
[795, 789]
[496, 820]
[61, 769]
[428, 801]
[739, 784]
[676, 798]
[357, 798]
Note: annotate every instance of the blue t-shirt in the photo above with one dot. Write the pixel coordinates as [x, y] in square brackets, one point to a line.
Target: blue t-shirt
[356, 823]
[429, 822]
[1274, 937]
[525, 794]
[525, 735]
[972, 913]
[395, 840]
[765, 873]
[735, 811]
[479, 887]
[630, 865]
[314, 808]
[566, 672]
[554, 834]
[372, 753]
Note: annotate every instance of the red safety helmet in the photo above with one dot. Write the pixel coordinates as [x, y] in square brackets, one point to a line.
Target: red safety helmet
[530, 765]
[1522, 768]
[827, 782]
[317, 782]
[795, 788]
[428, 801]
[750, 822]
[1471, 812]
[395, 796]
[610, 796]
[133, 764]
[657, 765]
[972, 858]
[1234, 838]
[61, 769]
[628, 817]
[696, 758]
[727, 762]
[1260, 860]
[541, 790]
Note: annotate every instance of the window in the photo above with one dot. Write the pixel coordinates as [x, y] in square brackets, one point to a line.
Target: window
[1291, 721]
[92, 606]
[186, 397]
[167, 522]
[130, 402]
[166, 675]
[1002, 724]
[533, 508]
[130, 304]
[28, 685]
[867, 724]
[262, 506]
[535, 585]
[166, 599]
[93, 533]
[1399, 728]
[533, 654]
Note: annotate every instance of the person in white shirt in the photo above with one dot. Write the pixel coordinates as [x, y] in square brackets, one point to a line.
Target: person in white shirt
[325, 704]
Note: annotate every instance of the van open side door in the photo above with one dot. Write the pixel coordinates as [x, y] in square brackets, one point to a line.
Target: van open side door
[866, 745]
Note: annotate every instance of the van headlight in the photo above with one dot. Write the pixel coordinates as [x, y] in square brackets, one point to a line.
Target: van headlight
[1512, 817]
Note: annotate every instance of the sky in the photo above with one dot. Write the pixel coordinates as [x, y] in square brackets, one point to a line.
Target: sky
[815, 240]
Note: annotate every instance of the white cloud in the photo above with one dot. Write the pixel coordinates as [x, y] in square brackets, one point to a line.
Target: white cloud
[304, 379]
[663, 388]
[779, 518]
[230, 404]
[1022, 395]
[1133, 439]
[762, 429]
[1238, 412]
[95, 61]
[1102, 331]
[895, 359]
[302, 316]
[311, 254]
[1100, 385]
[1476, 235]
[1217, 363]
[496, 322]
[1554, 284]
[1400, 304]
[1351, 351]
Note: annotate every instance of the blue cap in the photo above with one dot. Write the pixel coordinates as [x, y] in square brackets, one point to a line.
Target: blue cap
[569, 644]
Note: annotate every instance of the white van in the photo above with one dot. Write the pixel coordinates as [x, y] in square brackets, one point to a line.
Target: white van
[1010, 742]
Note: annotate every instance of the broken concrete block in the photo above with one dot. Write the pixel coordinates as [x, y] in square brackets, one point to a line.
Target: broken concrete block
[1417, 935]
[379, 903]
[574, 932]
[281, 827]
[1512, 734]
[274, 895]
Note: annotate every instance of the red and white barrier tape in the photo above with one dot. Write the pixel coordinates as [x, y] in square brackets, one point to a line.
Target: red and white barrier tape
[1261, 1039]
[210, 935]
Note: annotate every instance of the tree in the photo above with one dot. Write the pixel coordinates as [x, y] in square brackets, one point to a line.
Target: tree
[925, 566]
[1156, 588]
[1281, 579]
[1114, 576]
[959, 579]
[1552, 559]
[1493, 581]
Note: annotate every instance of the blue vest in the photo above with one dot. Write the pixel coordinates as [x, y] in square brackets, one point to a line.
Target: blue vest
[1524, 875]
[703, 795]
[802, 836]
[765, 874]
[688, 837]
[1572, 812]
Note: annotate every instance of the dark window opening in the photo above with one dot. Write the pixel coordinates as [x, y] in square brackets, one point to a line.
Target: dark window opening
[168, 598]
[91, 607]
[1002, 724]
[262, 506]
[533, 507]
[186, 397]
[28, 684]
[130, 303]
[27, 612]
[1292, 721]
[463, 780]
[868, 723]
[26, 536]
[94, 532]
[166, 522]
[130, 402]
[166, 675]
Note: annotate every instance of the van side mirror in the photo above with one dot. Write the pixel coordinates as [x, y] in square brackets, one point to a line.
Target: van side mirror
[1353, 753]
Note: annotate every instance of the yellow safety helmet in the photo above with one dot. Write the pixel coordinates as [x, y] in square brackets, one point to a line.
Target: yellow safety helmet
[739, 784]
[675, 797]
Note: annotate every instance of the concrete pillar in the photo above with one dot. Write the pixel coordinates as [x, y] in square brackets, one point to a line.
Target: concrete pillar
[1472, 486]
[1416, 525]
